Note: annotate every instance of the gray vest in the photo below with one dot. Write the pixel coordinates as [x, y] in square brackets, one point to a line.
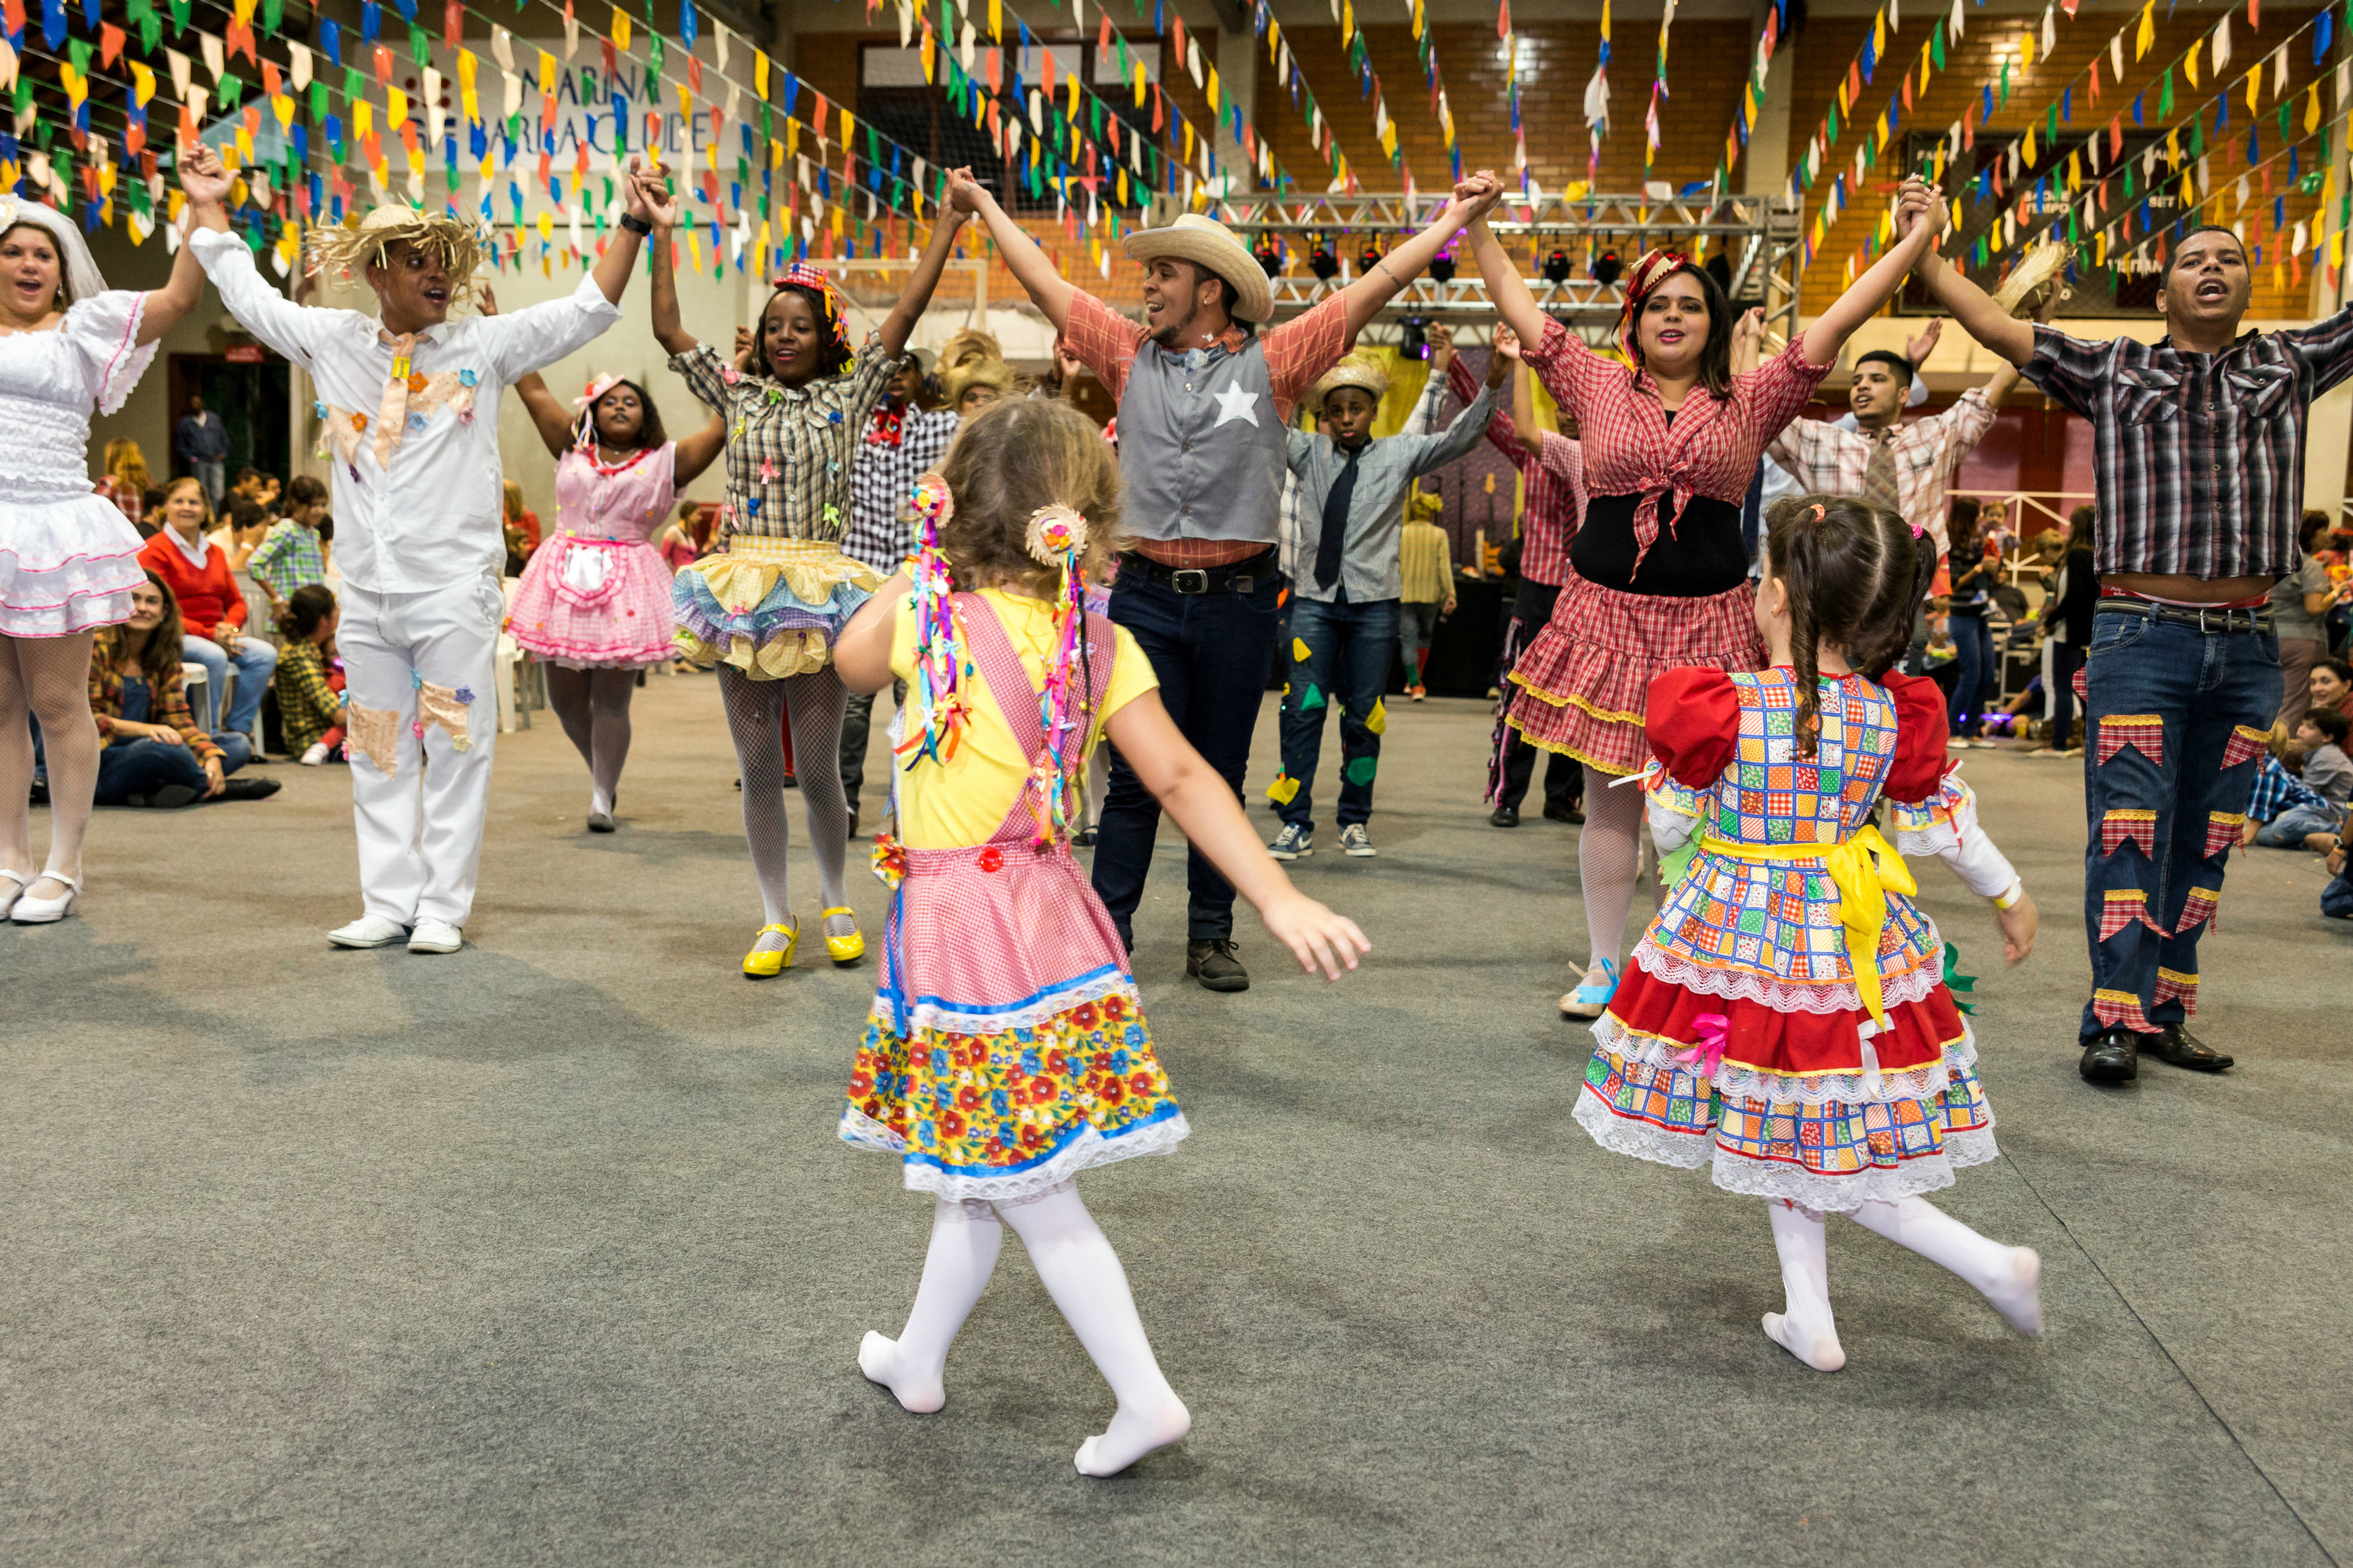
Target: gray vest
[1201, 449]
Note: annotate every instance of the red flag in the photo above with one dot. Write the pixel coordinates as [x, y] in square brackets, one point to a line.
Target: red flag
[453, 21]
[1503, 20]
[109, 40]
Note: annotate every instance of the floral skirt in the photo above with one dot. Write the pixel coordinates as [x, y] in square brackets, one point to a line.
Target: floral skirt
[1583, 684]
[595, 604]
[771, 607]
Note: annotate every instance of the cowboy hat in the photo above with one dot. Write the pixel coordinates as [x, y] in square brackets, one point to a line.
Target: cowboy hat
[1359, 370]
[1210, 245]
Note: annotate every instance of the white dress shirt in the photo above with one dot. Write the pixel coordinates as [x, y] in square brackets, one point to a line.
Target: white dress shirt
[418, 485]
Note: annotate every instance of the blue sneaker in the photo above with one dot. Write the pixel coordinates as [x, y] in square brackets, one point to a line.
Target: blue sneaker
[1589, 1000]
[1294, 843]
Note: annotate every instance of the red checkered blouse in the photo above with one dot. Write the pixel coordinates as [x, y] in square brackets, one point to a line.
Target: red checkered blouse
[1710, 448]
[1555, 486]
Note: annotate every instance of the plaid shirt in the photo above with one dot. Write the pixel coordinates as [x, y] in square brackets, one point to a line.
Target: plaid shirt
[2198, 458]
[1555, 484]
[1711, 448]
[1297, 354]
[307, 704]
[167, 703]
[789, 448]
[288, 558]
[2278, 790]
[1827, 460]
[882, 478]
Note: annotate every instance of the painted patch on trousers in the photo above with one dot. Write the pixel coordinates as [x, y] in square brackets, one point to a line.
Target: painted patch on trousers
[375, 735]
[451, 706]
[1377, 721]
[2146, 730]
[1360, 770]
[2246, 743]
[1283, 790]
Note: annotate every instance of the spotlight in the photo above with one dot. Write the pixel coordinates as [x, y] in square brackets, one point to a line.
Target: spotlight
[1413, 338]
[1606, 267]
[1270, 257]
[1322, 262]
[1556, 267]
[1441, 267]
[1370, 259]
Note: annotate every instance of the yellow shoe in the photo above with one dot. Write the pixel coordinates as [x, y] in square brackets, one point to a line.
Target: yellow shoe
[759, 965]
[843, 949]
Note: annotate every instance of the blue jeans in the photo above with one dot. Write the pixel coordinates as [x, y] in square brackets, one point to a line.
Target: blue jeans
[1347, 659]
[255, 660]
[2162, 827]
[1978, 676]
[143, 767]
[2337, 898]
[1212, 653]
[213, 475]
[2287, 830]
[1417, 630]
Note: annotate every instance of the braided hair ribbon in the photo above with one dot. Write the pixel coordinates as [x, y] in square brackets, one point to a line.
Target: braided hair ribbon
[937, 692]
[1057, 537]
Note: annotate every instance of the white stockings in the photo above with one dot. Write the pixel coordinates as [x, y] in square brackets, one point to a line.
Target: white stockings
[48, 678]
[593, 706]
[2010, 1278]
[757, 714]
[1080, 1271]
[1608, 854]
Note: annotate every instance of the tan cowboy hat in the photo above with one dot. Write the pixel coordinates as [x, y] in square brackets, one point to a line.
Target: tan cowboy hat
[1206, 242]
[1358, 369]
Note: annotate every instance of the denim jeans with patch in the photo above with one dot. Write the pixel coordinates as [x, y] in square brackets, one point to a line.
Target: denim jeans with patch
[1339, 658]
[2173, 724]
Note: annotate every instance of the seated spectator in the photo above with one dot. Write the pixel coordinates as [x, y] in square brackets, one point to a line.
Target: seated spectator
[257, 486]
[211, 606]
[2331, 683]
[151, 753]
[2337, 898]
[1940, 662]
[310, 679]
[125, 482]
[289, 555]
[2284, 811]
[243, 526]
[521, 530]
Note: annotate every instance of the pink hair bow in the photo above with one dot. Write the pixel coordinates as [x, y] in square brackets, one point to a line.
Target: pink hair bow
[1707, 1056]
[583, 429]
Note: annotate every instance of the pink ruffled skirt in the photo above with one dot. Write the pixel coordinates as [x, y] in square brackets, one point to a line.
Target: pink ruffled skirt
[595, 604]
[66, 566]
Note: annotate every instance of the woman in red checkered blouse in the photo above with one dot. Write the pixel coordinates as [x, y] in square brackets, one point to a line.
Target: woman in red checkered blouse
[1658, 577]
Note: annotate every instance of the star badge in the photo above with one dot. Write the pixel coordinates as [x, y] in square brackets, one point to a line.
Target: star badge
[1233, 404]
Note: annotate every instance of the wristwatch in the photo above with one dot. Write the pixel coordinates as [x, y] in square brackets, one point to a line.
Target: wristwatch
[634, 224]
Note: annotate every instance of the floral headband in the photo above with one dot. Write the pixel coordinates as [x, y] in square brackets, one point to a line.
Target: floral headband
[1654, 269]
[801, 274]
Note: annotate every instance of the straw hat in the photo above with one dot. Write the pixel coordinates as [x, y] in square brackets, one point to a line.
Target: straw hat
[1359, 370]
[352, 247]
[973, 358]
[1206, 242]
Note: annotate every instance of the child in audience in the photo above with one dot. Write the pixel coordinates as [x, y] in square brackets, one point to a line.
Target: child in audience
[310, 679]
[291, 554]
[2309, 821]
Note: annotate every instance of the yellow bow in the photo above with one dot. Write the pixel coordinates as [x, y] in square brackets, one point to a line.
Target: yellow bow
[1863, 869]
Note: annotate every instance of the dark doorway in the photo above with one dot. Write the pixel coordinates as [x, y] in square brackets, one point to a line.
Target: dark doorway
[247, 388]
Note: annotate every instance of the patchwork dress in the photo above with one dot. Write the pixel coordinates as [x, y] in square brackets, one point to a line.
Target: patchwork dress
[1745, 1035]
[1006, 1049]
[596, 595]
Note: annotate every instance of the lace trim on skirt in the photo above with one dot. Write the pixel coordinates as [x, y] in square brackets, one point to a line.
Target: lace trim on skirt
[1085, 1152]
[1784, 996]
[1924, 1082]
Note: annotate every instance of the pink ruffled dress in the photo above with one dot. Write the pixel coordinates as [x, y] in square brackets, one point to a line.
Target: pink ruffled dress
[68, 558]
[596, 593]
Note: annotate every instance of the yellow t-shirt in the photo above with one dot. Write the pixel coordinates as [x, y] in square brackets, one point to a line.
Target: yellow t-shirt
[957, 804]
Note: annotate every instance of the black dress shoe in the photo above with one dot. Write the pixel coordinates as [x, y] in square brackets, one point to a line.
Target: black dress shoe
[1505, 817]
[1213, 964]
[2112, 1056]
[2184, 1049]
[250, 789]
[1557, 812]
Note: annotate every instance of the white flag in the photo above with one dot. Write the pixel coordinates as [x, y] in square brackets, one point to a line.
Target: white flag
[300, 56]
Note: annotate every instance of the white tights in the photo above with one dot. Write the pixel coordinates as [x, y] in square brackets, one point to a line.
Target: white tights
[2010, 1278]
[48, 679]
[1608, 854]
[757, 712]
[1080, 1272]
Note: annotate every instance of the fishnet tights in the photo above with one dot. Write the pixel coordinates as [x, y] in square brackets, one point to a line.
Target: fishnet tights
[594, 705]
[50, 679]
[757, 710]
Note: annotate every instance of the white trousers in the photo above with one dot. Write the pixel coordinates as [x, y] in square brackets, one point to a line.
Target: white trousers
[419, 668]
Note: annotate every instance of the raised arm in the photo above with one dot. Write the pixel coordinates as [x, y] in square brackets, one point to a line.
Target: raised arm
[1457, 440]
[178, 296]
[662, 211]
[1505, 287]
[1916, 221]
[917, 295]
[1523, 416]
[1031, 266]
[547, 416]
[1971, 306]
[257, 306]
[1368, 294]
[620, 258]
[699, 451]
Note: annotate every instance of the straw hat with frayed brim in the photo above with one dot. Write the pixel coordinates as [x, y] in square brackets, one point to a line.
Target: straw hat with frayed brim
[1361, 371]
[352, 247]
[1206, 242]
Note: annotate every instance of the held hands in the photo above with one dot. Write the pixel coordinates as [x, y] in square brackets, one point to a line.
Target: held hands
[2018, 923]
[1316, 937]
[1748, 336]
[1500, 365]
[1918, 348]
[633, 193]
[1507, 344]
[1441, 349]
[203, 177]
[1918, 207]
[744, 347]
[965, 193]
[650, 197]
[1476, 196]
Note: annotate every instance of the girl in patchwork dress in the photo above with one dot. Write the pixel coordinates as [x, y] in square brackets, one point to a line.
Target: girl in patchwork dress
[766, 606]
[1006, 1050]
[1785, 1019]
[594, 599]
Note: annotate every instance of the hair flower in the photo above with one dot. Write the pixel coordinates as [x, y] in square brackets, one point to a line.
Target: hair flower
[929, 500]
[1055, 532]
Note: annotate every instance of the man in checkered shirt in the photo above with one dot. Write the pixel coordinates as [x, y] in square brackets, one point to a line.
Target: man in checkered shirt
[902, 442]
[2199, 458]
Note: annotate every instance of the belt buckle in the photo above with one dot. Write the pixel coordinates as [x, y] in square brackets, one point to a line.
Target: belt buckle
[1189, 580]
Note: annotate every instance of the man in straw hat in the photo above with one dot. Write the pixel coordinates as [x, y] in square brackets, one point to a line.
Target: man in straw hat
[1345, 604]
[2198, 455]
[409, 399]
[1204, 403]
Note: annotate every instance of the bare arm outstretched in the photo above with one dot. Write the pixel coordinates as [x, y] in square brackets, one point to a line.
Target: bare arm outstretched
[1862, 299]
[1031, 265]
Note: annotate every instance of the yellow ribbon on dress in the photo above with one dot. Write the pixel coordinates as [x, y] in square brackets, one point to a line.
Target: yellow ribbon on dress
[1863, 869]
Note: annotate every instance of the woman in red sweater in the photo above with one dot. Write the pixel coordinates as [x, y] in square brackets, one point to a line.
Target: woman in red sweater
[213, 607]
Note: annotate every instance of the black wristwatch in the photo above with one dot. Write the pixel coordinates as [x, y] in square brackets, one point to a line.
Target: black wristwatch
[634, 224]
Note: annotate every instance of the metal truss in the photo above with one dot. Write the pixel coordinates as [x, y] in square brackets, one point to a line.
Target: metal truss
[1761, 235]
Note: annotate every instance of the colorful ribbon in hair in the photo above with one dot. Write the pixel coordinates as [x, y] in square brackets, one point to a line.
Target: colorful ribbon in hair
[1654, 267]
[585, 431]
[801, 274]
[1057, 537]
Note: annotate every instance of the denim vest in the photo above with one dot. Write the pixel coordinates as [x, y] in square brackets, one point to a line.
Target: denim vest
[1201, 445]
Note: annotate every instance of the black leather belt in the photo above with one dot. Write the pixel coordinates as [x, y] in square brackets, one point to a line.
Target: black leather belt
[1241, 576]
[2205, 617]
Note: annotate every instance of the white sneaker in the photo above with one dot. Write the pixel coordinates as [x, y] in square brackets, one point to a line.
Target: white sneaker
[316, 756]
[369, 930]
[1354, 840]
[436, 936]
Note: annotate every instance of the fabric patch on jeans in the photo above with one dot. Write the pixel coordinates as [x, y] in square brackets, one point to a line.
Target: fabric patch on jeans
[2244, 746]
[2115, 1007]
[449, 707]
[2222, 830]
[2118, 828]
[375, 735]
[2146, 730]
[2172, 986]
[2081, 684]
[2202, 904]
[2124, 907]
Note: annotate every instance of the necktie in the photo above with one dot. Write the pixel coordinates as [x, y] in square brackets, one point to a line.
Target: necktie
[391, 415]
[1879, 476]
[1335, 523]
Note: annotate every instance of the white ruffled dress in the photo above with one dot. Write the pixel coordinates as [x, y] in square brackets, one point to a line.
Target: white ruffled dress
[68, 558]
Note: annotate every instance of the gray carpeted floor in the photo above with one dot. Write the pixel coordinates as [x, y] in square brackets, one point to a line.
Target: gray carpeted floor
[546, 1252]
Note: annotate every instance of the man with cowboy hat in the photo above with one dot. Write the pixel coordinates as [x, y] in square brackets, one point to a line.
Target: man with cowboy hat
[409, 400]
[1204, 407]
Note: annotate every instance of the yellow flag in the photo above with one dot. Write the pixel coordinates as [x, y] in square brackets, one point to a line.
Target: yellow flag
[1217, 98]
[760, 72]
[2147, 33]
[2312, 110]
[2254, 87]
[996, 20]
[143, 82]
[362, 119]
[621, 33]
[395, 107]
[2190, 62]
[2026, 51]
[1879, 36]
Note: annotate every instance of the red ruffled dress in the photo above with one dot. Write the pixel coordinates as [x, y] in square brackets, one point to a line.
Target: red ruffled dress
[1811, 1099]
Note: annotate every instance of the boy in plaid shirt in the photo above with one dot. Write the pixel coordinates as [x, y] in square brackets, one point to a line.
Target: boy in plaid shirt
[290, 555]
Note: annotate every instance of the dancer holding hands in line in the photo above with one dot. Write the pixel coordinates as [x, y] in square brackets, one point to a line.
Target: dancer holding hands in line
[1658, 574]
